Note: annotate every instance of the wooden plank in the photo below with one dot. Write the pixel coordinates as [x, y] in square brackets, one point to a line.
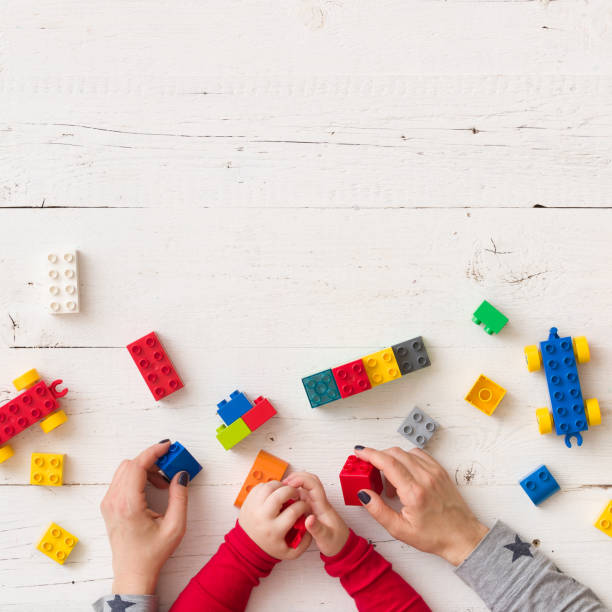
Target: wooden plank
[322, 141]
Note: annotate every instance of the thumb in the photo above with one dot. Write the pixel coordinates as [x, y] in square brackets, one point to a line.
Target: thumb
[175, 518]
[381, 512]
[317, 529]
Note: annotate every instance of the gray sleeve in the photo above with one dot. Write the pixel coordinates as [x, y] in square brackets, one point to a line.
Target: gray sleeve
[127, 603]
[510, 575]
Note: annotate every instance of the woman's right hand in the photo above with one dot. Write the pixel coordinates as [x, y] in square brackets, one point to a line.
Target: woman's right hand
[434, 517]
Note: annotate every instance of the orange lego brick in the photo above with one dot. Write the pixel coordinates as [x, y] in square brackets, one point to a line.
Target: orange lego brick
[265, 468]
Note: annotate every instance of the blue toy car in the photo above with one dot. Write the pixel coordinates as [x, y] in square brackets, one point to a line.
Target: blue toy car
[571, 414]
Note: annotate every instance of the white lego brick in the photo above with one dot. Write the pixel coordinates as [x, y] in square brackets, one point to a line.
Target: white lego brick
[62, 295]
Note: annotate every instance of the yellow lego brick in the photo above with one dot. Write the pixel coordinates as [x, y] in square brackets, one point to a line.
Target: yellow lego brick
[381, 367]
[604, 522]
[47, 469]
[57, 543]
[485, 395]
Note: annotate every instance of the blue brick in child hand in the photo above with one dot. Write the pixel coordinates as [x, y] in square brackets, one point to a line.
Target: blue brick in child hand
[178, 459]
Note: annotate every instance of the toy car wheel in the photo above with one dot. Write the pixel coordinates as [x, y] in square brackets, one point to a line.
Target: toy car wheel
[581, 349]
[533, 358]
[55, 420]
[6, 452]
[593, 412]
[545, 420]
[25, 381]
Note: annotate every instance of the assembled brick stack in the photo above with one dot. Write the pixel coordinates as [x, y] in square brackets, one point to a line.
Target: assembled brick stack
[241, 418]
[363, 374]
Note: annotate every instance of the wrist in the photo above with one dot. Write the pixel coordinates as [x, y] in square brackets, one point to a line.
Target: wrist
[135, 584]
[465, 543]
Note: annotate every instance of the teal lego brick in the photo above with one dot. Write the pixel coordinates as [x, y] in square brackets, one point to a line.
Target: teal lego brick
[321, 388]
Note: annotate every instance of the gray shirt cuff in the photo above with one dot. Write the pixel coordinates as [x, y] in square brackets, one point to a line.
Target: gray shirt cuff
[509, 575]
[127, 603]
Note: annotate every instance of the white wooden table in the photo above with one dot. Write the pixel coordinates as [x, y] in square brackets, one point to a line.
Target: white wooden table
[279, 187]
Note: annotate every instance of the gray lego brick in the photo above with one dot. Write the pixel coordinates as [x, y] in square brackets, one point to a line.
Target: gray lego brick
[418, 427]
[411, 355]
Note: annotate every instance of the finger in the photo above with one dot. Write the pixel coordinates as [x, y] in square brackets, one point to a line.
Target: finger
[147, 458]
[274, 502]
[287, 518]
[175, 519]
[381, 513]
[301, 547]
[409, 459]
[310, 483]
[317, 529]
[132, 484]
[390, 490]
[152, 513]
[424, 456]
[260, 492]
[394, 470]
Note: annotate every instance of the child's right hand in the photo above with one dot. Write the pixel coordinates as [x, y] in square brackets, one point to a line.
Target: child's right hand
[325, 525]
[262, 519]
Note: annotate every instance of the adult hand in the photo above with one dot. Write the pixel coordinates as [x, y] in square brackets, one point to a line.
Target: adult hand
[142, 540]
[434, 517]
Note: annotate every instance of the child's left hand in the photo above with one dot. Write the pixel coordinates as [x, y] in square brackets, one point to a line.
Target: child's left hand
[264, 522]
[325, 525]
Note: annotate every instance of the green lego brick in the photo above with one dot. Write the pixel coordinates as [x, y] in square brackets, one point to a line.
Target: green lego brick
[494, 321]
[230, 435]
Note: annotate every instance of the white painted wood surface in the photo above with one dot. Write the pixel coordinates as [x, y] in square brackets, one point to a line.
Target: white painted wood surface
[280, 187]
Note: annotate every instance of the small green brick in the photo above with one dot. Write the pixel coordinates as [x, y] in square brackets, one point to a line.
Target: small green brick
[493, 320]
[230, 435]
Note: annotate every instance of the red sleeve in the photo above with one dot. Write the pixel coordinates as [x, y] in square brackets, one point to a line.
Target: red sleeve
[225, 583]
[369, 579]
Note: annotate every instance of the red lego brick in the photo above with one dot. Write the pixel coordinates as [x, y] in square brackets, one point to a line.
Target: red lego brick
[261, 411]
[27, 408]
[351, 378]
[357, 475]
[296, 533]
[155, 366]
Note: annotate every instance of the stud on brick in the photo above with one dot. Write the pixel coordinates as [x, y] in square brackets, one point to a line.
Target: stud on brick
[539, 485]
[63, 282]
[411, 355]
[418, 427]
[357, 475]
[155, 366]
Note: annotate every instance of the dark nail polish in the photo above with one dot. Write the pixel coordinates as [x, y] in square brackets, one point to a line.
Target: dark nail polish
[359, 447]
[164, 440]
[363, 497]
[183, 479]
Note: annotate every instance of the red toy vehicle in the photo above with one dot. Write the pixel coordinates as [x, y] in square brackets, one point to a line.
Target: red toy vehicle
[37, 402]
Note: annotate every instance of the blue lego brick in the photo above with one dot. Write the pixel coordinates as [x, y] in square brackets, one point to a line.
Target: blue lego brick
[539, 485]
[237, 406]
[177, 459]
[563, 385]
[321, 388]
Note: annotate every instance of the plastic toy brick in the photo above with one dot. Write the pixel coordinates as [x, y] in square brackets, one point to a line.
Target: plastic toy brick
[230, 435]
[351, 378]
[493, 320]
[57, 543]
[178, 459]
[357, 475]
[37, 403]
[155, 366]
[47, 469]
[418, 427]
[261, 412]
[296, 533]
[63, 282]
[381, 367]
[321, 388]
[539, 485]
[265, 468]
[604, 522]
[411, 355]
[235, 408]
[485, 395]
[571, 414]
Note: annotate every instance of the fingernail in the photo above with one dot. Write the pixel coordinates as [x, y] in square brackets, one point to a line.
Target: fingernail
[363, 497]
[164, 440]
[359, 447]
[183, 479]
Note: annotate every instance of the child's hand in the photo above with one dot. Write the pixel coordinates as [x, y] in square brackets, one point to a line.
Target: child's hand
[266, 525]
[324, 524]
